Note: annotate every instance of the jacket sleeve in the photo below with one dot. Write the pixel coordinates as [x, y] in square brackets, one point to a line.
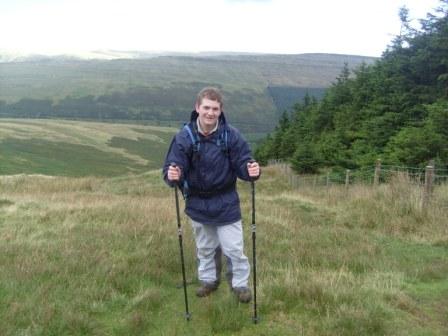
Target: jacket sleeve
[177, 154]
[240, 154]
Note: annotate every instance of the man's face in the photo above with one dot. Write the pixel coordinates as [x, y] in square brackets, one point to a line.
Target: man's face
[209, 112]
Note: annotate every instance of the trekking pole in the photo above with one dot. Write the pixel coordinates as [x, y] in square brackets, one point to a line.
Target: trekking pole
[179, 233]
[254, 257]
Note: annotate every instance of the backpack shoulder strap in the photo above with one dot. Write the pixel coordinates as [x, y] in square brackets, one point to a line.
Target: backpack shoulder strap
[223, 140]
[194, 137]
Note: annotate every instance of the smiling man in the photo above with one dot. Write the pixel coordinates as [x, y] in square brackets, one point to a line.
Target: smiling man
[205, 159]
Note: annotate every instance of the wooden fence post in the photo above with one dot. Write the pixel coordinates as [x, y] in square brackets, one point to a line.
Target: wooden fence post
[347, 178]
[328, 179]
[376, 178]
[429, 177]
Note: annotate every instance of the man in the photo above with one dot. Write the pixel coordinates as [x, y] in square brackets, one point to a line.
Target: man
[205, 159]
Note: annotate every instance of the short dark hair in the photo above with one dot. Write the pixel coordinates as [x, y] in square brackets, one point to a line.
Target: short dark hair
[211, 93]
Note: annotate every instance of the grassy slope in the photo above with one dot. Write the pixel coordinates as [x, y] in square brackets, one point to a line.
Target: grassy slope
[93, 256]
[55, 147]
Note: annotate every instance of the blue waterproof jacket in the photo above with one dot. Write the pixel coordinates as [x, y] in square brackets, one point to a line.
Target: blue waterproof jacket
[209, 173]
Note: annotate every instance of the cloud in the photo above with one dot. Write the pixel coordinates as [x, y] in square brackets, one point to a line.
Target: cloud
[248, 1]
[274, 26]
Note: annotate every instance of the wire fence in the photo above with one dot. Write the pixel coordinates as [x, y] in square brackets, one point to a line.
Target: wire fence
[427, 179]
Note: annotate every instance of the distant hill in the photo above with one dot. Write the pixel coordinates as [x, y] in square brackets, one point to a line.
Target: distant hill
[162, 88]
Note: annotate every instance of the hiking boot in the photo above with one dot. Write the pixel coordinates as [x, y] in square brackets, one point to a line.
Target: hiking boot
[243, 294]
[206, 289]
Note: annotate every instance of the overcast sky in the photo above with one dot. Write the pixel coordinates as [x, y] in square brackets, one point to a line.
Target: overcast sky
[359, 27]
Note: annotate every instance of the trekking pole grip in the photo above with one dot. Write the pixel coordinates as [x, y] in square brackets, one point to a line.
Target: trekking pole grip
[174, 183]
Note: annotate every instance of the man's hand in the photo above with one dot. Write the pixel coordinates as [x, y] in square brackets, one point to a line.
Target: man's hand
[253, 169]
[174, 173]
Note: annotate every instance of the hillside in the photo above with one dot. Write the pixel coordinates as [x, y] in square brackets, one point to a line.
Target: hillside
[75, 148]
[163, 88]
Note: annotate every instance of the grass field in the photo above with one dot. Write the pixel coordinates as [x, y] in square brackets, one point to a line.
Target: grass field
[75, 148]
[99, 256]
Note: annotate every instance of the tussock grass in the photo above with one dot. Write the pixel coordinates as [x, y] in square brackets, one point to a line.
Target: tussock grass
[99, 256]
